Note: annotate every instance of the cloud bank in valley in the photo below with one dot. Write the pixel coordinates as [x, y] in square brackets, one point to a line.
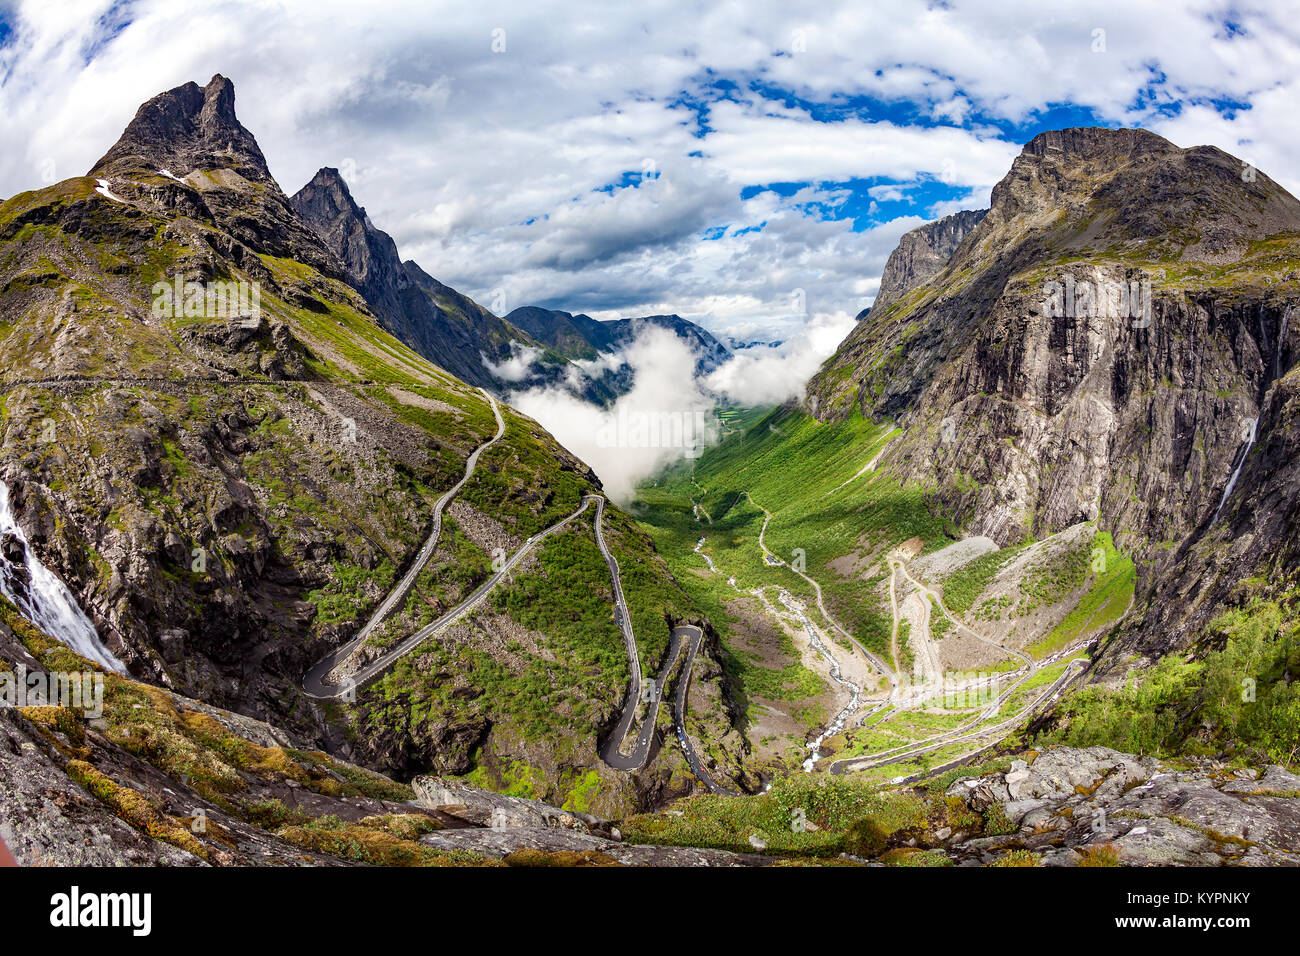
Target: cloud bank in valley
[769, 376]
[668, 414]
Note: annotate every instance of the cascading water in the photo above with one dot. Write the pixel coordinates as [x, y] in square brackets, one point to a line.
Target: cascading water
[836, 725]
[1281, 343]
[45, 600]
[698, 550]
[1248, 439]
[1240, 461]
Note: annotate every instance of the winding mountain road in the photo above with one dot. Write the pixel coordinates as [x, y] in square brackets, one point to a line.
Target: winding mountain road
[971, 729]
[686, 636]
[611, 752]
[317, 683]
[978, 727]
[679, 710]
[769, 558]
[321, 682]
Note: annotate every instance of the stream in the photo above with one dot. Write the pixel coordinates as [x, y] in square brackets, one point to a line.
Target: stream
[836, 725]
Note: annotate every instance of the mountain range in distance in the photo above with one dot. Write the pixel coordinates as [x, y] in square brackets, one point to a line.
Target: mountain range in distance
[458, 334]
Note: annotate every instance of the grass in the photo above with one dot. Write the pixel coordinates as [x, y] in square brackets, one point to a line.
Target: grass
[351, 590]
[1110, 590]
[961, 588]
[374, 843]
[557, 683]
[847, 817]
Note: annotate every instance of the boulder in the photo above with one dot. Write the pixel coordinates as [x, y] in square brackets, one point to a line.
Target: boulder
[486, 809]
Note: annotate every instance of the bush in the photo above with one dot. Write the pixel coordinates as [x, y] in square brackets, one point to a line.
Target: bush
[1103, 855]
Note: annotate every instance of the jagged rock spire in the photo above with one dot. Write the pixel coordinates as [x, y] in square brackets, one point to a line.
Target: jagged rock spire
[187, 128]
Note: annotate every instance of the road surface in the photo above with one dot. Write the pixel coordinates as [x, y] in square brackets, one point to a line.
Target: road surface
[318, 683]
[695, 636]
[611, 752]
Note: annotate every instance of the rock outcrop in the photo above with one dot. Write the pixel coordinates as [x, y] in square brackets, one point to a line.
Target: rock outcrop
[922, 253]
[487, 809]
[186, 152]
[1068, 805]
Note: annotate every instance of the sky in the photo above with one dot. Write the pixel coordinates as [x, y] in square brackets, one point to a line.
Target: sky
[748, 166]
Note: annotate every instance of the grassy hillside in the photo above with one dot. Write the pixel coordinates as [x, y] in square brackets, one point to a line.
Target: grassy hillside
[803, 472]
[253, 489]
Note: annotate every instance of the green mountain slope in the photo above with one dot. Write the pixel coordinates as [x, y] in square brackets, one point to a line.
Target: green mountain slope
[228, 492]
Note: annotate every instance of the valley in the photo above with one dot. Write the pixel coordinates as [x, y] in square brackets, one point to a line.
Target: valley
[961, 690]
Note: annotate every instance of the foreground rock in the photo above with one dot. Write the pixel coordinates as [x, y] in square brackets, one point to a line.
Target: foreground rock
[1099, 805]
[487, 809]
[550, 846]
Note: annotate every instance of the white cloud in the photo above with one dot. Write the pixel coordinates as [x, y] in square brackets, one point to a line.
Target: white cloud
[517, 367]
[769, 376]
[668, 413]
[664, 416]
[788, 145]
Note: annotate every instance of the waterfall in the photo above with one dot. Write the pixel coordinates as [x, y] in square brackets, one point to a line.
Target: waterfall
[1281, 342]
[712, 566]
[45, 600]
[1240, 462]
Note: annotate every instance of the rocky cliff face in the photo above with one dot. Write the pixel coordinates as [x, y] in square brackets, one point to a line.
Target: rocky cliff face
[1111, 341]
[922, 254]
[369, 256]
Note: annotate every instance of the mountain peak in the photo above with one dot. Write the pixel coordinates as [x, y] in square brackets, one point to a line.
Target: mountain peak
[327, 197]
[1097, 142]
[187, 128]
[1119, 189]
[922, 253]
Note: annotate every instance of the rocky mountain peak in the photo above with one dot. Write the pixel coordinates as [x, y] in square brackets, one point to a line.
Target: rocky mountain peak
[328, 196]
[369, 256]
[188, 128]
[1131, 191]
[1081, 143]
[922, 253]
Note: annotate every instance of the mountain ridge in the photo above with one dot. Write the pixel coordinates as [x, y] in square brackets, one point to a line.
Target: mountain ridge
[443, 325]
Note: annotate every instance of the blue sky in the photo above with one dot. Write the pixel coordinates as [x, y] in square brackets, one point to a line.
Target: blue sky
[720, 161]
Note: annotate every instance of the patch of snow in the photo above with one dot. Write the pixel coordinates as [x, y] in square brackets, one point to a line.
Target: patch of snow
[107, 193]
[170, 175]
